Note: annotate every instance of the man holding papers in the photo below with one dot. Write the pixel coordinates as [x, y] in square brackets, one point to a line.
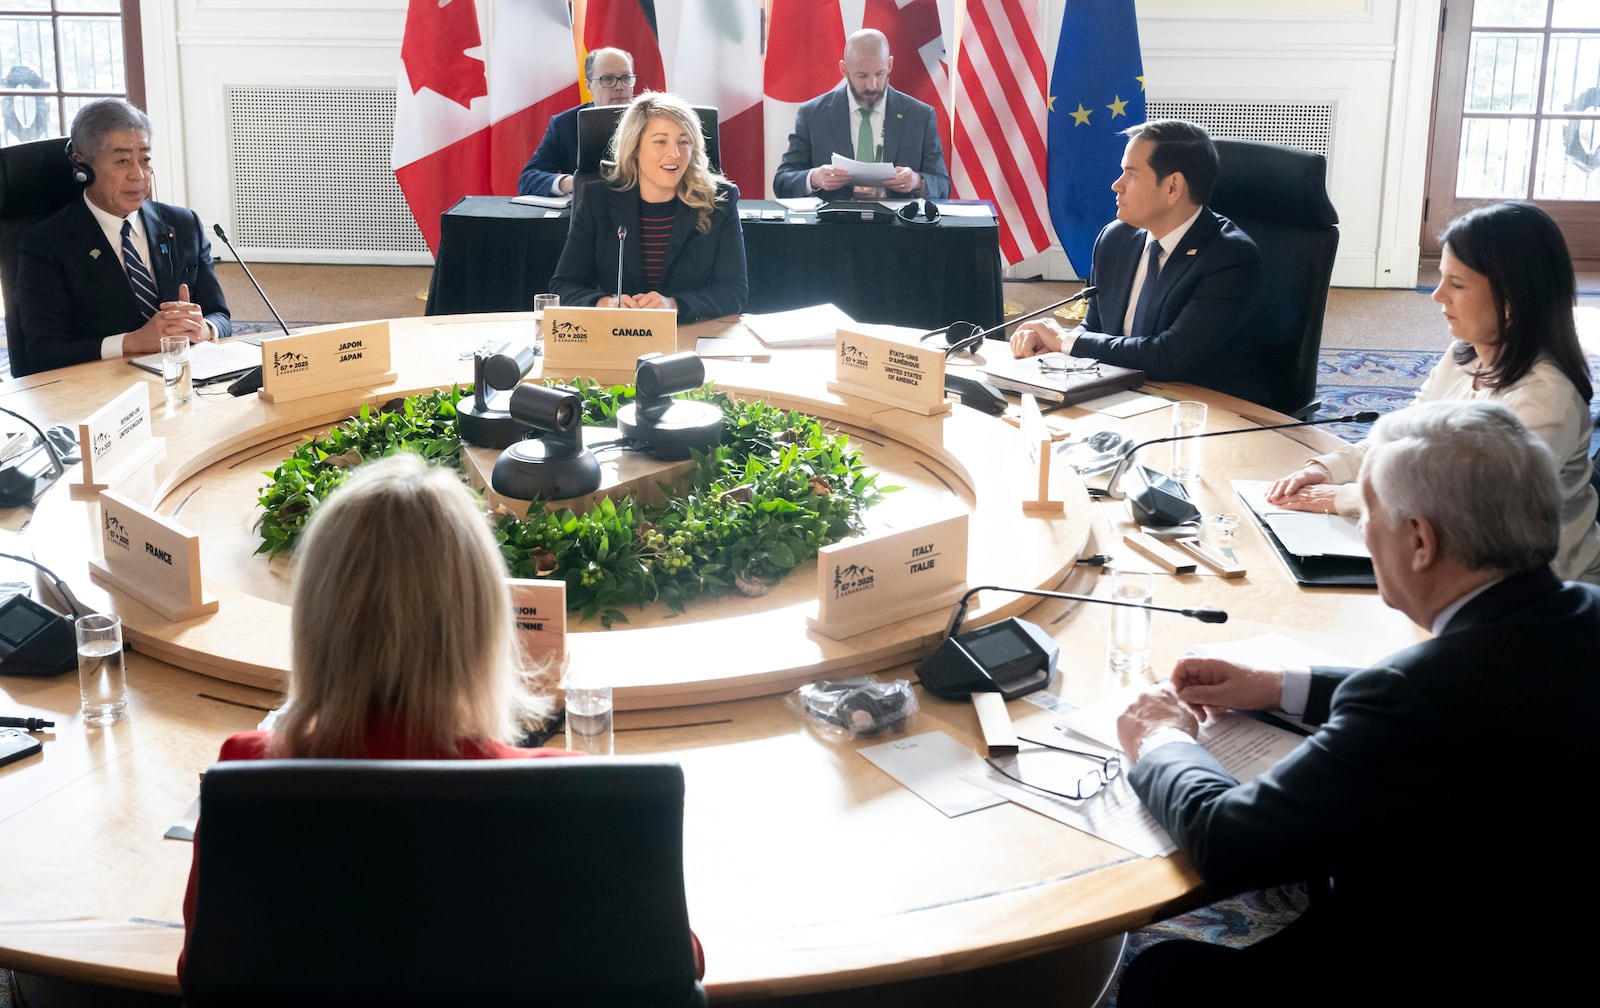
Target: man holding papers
[1439, 816]
[868, 121]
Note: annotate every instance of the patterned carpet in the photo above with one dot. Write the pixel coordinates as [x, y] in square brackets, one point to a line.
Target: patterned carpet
[1385, 380]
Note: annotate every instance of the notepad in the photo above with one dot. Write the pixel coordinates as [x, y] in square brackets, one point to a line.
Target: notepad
[211, 361]
[814, 325]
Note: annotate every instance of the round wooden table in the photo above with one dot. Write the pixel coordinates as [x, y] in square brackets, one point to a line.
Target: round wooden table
[809, 871]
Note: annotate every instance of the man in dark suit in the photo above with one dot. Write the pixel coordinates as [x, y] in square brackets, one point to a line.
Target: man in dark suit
[1440, 815]
[113, 273]
[865, 119]
[1187, 318]
[549, 172]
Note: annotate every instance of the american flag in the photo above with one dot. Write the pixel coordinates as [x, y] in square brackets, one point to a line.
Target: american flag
[1000, 103]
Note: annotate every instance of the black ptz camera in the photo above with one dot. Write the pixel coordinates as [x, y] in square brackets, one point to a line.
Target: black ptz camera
[554, 465]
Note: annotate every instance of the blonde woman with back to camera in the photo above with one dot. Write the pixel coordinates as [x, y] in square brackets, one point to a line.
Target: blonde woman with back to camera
[393, 658]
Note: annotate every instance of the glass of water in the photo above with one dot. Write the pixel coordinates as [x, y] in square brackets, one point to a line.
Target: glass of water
[102, 677]
[1130, 626]
[1188, 419]
[175, 374]
[540, 303]
[589, 713]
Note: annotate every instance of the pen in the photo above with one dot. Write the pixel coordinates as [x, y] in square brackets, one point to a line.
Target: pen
[26, 723]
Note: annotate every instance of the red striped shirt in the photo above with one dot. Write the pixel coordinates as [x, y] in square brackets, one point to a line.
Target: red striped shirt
[655, 231]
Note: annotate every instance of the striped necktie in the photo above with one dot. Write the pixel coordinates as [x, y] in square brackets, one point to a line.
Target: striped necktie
[139, 278]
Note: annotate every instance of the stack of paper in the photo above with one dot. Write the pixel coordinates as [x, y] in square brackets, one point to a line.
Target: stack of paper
[814, 325]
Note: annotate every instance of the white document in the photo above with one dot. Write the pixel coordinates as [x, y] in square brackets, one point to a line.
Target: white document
[802, 204]
[556, 202]
[1245, 747]
[210, 360]
[814, 325]
[735, 344]
[1125, 404]
[932, 766]
[1303, 533]
[863, 172]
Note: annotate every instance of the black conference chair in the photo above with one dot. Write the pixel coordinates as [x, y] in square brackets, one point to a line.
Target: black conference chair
[1279, 197]
[35, 182]
[527, 882]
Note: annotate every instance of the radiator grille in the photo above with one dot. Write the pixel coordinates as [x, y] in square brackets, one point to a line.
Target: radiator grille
[310, 173]
[1308, 126]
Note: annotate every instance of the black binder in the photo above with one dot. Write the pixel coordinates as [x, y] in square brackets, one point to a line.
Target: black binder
[1320, 571]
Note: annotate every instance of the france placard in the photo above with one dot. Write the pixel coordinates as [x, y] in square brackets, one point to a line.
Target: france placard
[150, 557]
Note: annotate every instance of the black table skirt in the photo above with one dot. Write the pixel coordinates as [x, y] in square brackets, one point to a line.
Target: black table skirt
[495, 255]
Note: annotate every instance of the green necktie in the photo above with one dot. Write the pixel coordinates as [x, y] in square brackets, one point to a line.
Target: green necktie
[864, 138]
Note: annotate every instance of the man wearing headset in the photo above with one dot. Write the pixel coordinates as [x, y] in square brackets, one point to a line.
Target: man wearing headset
[113, 273]
[549, 172]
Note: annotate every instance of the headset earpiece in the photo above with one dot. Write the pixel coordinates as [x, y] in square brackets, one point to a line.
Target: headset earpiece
[920, 212]
[82, 171]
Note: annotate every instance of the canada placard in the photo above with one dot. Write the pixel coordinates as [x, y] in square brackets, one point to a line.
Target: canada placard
[605, 343]
[887, 364]
[150, 557]
[874, 580]
[114, 441]
[328, 359]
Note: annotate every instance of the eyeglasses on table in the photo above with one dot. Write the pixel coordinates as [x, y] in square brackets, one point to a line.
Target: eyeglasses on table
[1057, 770]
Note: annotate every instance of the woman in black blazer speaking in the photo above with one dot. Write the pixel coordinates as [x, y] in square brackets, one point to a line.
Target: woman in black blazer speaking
[660, 218]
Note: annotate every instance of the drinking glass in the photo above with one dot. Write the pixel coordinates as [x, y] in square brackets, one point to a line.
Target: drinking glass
[175, 370]
[1188, 418]
[540, 303]
[589, 713]
[1130, 627]
[102, 677]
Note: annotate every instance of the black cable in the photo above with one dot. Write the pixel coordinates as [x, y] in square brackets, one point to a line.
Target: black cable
[61, 588]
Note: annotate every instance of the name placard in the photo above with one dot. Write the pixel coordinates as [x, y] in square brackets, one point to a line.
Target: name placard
[114, 441]
[151, 558]
[605, 343]
[540, 606]
[875, 580]
[886, 364]
[325, 360]
[1038, 442]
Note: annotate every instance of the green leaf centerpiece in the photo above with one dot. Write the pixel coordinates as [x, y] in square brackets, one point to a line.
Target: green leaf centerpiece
[778, 487]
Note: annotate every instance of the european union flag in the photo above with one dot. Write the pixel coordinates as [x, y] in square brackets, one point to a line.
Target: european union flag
[1096, 91]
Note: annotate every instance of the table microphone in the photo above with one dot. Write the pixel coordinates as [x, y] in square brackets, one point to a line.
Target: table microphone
[1012, 657]
[622, 236]
[976, 338]
[218, 229]
[1163, 501]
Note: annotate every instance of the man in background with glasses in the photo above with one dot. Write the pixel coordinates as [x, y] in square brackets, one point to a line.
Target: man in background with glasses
[609, 73]
[1440, 815]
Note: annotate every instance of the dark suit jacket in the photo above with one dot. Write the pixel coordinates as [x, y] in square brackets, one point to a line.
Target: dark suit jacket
[1206, 299]
[557, 154]
[72, 291]
[705, 273]
[1441, 813]
[823, 127]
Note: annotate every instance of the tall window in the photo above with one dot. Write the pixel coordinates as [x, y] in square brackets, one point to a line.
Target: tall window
[57, 54]
[1517, 114]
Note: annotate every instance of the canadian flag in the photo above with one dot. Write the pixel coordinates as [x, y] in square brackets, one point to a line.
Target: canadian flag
[468, 115]
[805, 41]
[713, 53]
